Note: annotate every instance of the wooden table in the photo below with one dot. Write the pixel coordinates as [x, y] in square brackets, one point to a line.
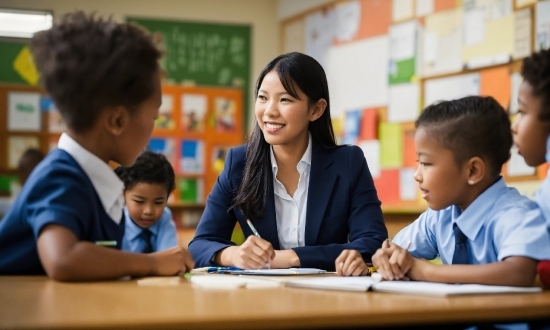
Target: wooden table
[37, 302]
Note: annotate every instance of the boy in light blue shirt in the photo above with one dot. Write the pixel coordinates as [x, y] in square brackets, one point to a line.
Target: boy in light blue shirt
[531, 131]
[147, 185]
[483, 231]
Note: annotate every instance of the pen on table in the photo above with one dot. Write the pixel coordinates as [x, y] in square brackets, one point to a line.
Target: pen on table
[257, 235]
[106, 243]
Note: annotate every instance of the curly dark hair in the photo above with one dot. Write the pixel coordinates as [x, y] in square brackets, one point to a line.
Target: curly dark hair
[471, 126]
[150, 167]
[88, 64]
[536, 71]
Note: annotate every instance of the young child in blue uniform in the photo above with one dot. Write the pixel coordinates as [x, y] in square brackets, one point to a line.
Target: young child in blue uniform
[480, 228]
[147, 185]
[531, 131]
[67, 220]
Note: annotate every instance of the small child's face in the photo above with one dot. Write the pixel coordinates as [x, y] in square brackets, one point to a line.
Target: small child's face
[440, 179]
[145, 203]
[138, 131]
[530, 133]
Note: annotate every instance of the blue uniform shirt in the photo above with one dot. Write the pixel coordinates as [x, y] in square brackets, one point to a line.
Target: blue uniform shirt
[57, 192]
[499, 223]
[164, 233]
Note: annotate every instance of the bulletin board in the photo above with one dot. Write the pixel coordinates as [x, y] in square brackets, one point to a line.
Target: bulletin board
[196, 128]
[206, 54]
[387, 60]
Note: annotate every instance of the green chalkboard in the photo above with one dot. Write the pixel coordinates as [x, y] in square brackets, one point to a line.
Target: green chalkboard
[8, 53]
[204, 53]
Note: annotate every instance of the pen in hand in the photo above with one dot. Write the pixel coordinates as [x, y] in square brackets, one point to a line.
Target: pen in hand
[257, 235]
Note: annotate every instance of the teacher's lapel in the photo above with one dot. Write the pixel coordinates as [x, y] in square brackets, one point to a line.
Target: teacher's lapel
[321, 184]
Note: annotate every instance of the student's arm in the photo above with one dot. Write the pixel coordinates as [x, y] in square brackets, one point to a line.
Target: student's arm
[512, 271]
[365, 223]
[65, 258]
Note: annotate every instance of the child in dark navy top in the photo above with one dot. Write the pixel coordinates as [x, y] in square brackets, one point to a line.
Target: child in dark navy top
[531, 131]
[147, 185]
[67, 221]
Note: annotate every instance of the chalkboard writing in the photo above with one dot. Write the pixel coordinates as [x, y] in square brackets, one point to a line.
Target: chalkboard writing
[204, 53]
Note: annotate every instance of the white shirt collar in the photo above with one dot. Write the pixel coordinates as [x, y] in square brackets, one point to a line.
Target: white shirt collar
[106, 183]
[306, 158]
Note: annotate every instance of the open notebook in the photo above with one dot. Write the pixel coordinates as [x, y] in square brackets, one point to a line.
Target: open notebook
[365, 283]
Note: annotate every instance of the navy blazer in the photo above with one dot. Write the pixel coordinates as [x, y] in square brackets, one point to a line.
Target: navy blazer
[343, 210]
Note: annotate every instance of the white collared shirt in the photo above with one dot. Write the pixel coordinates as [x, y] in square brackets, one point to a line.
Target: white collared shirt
[106, 183]
[291, 211]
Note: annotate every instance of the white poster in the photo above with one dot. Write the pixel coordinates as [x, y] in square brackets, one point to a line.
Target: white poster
[24, 111]
[347, 20]
[371, 150]
[542, 25]
[451, 88]
[319, 34]
[404, 103]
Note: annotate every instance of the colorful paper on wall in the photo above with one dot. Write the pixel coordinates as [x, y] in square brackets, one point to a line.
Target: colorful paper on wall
[24, 111]
[424, 7]
[319, 34]
[542, 25]
[192, 157]
[369, 125]
[357, 75]
[442, 42]
[408, 187]
[24, 65]
[375, 19]
[225, 111]
[218, 158]
[402, 10]
[194, 108]
[166, 147]
[404, 103]
[522, 33]
[517, 166]
[496, 83]
[56, 124]
[347, 18]
[391, 145]
[166, 119]
[402, 52]
[387, 186]
[409, 149]
[17, 145]
[451, 88]
[190, 190]
[371, 150]
[351, 128]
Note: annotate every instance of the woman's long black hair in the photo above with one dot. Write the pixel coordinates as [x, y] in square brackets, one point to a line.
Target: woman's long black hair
[296, 71]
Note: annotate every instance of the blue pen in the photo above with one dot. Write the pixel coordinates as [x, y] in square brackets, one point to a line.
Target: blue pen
[223, 270]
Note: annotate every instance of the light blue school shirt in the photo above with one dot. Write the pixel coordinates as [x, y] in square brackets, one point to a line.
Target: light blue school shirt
[542, 197]
[499, 223]
[163, 236]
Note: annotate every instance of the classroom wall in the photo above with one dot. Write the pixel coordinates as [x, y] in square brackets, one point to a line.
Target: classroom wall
[289, 8]
[261, 15]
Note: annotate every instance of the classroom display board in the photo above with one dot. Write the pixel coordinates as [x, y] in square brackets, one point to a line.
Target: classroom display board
[196, 128]
[387, 60]
[205, 54]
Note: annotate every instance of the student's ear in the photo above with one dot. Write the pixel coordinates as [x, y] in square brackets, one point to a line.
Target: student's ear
[317, 110]
[117, 119]
[476, 170]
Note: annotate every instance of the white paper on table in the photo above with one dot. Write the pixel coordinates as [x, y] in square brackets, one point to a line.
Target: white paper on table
[24, 111]
[357, 74]
[371, 150]
[542, 25]
[408, 187]
[451, 88]
[517, 166]
[515, 80]
[319, 34]
[347, 20]
[402, 41]
[402, 10]
[522, 33]
[404, 103]
[424, 7]
[474, 27]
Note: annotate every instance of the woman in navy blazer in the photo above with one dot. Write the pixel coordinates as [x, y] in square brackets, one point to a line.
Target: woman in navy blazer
[292, 139]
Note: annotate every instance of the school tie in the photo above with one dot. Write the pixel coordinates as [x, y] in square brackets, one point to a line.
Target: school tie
[460, 256]
[146, 236]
